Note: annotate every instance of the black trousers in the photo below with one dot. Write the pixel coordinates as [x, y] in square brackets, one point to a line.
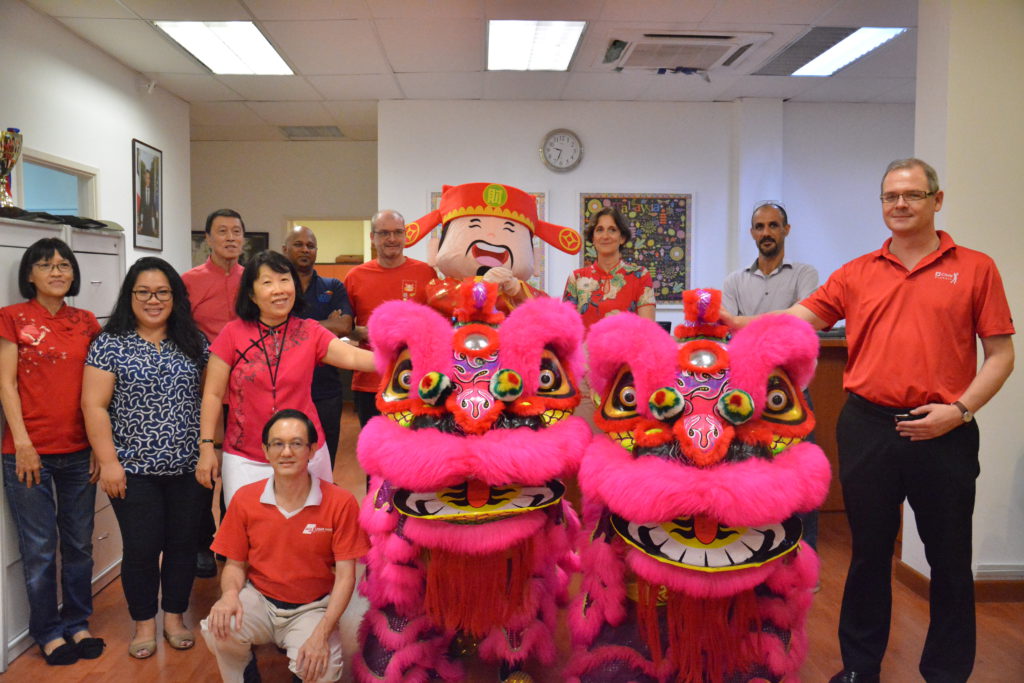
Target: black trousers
[159, 515]
[329, 412]
[879, 470]
[366, 405]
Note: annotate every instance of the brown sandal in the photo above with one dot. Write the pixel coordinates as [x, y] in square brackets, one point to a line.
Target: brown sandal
[184, 640]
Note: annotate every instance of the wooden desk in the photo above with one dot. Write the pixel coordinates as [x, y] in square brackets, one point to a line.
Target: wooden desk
[828, 396]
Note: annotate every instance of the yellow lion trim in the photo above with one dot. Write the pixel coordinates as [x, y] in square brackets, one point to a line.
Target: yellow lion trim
[488, 211]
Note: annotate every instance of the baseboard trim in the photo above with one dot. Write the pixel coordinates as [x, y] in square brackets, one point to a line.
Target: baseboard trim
[986, 590]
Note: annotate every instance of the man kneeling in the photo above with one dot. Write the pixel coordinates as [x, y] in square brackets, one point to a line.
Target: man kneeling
[291, 543]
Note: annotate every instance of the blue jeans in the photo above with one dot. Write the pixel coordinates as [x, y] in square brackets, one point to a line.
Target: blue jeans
[61, 506]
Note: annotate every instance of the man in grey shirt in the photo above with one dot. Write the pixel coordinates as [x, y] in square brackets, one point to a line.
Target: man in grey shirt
[772, 283]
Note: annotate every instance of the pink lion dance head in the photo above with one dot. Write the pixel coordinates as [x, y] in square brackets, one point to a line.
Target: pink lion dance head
[695, 571]
[470, 533]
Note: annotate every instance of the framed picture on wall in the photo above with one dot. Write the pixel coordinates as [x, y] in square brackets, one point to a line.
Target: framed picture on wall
[255, 242]
[661, 236]
[147, 196]
[539, 247]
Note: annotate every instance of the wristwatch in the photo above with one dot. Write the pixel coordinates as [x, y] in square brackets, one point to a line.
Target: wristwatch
[965, 414]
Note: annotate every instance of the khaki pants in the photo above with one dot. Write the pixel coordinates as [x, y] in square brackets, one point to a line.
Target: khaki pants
[264, 623]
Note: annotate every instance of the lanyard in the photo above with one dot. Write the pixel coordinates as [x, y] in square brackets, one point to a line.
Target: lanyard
[274, 367]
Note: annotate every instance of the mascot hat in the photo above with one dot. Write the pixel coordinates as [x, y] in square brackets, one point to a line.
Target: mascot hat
[492, 199]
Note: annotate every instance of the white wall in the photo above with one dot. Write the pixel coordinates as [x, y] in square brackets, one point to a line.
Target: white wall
[270, 183]
[72, 101]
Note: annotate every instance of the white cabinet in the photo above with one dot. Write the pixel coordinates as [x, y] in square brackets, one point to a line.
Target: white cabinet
[100, 256]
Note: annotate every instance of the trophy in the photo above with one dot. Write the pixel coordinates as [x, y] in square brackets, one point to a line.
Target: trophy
[10, 150]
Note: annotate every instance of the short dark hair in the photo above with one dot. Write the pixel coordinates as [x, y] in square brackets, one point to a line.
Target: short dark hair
[620, 223]
[245, 307]
[223, 213]
[290, 414]
[913, 162]
[44, 249]
[772, 205]
[181, 327]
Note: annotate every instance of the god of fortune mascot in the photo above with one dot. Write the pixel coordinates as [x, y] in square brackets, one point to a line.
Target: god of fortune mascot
[471, 538]
[694, 570]
[487, 233]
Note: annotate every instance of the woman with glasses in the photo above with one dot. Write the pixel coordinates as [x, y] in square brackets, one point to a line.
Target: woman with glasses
[263, 361]
[141, 400]
[48, 472]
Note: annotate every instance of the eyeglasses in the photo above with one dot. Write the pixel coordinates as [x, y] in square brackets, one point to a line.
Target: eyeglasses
[387, 234]
[60, 266]
[144, 295]
[294, 446]
[911, 196]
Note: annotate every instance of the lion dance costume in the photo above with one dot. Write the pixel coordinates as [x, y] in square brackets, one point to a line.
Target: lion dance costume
[471, 538]
[694, 570]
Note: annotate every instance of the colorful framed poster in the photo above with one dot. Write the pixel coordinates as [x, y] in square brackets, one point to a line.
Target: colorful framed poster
[147, 196]
[661, 236]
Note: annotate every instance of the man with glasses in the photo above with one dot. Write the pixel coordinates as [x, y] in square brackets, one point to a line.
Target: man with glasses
[914, 310]
[291, 544]
[392, 275]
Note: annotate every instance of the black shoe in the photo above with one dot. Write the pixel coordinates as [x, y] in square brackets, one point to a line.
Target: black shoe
[206, 568]
[90, 648]
[62, 655]
[847, 676]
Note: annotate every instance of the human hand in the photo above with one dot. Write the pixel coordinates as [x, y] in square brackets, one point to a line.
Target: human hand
[207, 469]
[27, 464]
[219, 621]
[507, 282]
[939, 418]
[726, 318]
[311, 664]
[113, 480]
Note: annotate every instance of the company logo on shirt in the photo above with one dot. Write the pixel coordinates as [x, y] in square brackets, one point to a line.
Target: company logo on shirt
[408, 289]
[314, 529]
[949, 277]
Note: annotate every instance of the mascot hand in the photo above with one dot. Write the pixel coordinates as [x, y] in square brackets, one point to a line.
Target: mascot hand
[504, 278]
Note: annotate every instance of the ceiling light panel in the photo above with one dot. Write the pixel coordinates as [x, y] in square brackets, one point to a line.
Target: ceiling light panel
[848, 50]
[532, 45]
[227, 47]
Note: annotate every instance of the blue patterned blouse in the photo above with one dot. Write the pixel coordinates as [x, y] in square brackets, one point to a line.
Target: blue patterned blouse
[154, 411]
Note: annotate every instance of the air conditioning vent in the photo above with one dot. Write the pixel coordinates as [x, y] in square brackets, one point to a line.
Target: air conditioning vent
[803, 50]
[680, 52]
[312, 132]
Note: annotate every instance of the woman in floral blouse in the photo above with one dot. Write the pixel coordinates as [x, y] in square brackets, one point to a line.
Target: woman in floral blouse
[609, 285]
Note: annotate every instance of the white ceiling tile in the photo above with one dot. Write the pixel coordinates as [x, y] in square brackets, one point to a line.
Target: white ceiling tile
[871, 13]
[774, 12]
[329, 47]
[98, 9]
[308, 10]
[838, 89]
[433, 44]
[895, 59]
[271, 87]
[425, 9]
[606, 86]
[359, 133]
[223, 114]
[136, 44]
[522, 85]
[657, 10]
[464, 85]
[193, 88]
[542, 10]
[354, 112]
[358, 87]
[687, 88]
[233, 132]
[778, 87]
[189, 10]
[293, 113]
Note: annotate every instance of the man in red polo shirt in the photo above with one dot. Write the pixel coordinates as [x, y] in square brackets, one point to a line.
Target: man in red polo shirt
[913, 311]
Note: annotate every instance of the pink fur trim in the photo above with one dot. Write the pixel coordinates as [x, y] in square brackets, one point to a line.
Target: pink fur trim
[396, 324]
[693, 583]
[604, 583]
[749, 493]
[372, 519]
[612, 343]
[475, 539]
[426, 460]
[769, 342]
[538, 324]
[585, 662]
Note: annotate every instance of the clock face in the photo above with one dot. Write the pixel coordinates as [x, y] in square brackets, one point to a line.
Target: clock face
[562, 150]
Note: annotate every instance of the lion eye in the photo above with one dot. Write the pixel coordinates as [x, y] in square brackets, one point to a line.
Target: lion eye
[553, 381]
[622, 399]
[782, 401]
[398, 386]
[627, 397]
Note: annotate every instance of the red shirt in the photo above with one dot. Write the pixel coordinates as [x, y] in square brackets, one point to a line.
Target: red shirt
[269, 372]
[292, 558]
[369, 285]
[596, 293]
[212, 293]
[51, 355]
[911, 334]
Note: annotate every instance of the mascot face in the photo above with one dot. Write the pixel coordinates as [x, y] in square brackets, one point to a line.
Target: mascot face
[474, 244]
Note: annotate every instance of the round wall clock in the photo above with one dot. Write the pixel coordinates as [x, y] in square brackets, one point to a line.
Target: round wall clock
[561, 150]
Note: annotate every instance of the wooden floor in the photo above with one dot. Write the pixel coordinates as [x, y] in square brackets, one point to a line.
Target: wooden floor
[1000, 626]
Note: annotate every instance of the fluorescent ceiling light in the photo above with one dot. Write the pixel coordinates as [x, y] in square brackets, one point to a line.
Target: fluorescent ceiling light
[849, 49]
[532, 45]
[227, 47]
